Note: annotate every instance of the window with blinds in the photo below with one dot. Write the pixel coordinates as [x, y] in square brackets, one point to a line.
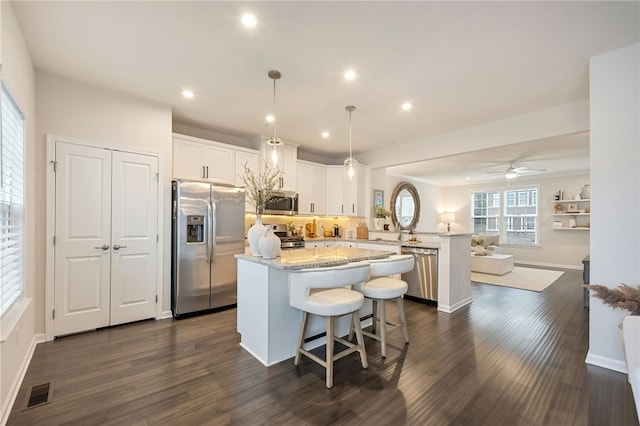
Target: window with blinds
[11, 201]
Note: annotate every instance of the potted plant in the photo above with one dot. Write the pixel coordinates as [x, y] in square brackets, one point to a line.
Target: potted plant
[381, 217]
[259, 189]
[628, 298]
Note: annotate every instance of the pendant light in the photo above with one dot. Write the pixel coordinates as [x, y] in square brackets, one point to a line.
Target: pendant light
[274, 142]
[350, 164]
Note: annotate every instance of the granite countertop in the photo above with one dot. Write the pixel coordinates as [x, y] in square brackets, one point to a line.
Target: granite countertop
[395, 242]
[317, 257]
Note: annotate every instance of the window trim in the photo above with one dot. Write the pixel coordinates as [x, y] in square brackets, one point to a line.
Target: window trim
[17, 296]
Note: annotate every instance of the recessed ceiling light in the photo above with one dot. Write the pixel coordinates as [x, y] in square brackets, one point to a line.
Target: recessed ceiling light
[187, 94]
[249, 20]
[350, 75]
[325, 134]
[407, 106]
[270, 118]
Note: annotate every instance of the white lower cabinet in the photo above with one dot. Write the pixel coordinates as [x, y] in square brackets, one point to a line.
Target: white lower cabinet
[374, 246]
[315, 244]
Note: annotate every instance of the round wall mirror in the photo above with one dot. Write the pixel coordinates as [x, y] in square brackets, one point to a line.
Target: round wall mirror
[405, 206]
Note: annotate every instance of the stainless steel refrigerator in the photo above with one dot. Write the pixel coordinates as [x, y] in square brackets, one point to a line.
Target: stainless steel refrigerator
[207, 231]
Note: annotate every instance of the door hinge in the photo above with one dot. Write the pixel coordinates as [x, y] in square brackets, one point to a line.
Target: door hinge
[55, 163]
[156, 298]
[54, 240]
[157, 238]
[54, 314]
[157, 177]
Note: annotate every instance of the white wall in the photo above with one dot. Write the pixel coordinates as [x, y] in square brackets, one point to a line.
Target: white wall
[557, 248]
[615, 191]
[73, 109]
[431, 201]
[18, 76]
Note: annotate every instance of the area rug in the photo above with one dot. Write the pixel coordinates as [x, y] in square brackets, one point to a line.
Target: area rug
[532, 279]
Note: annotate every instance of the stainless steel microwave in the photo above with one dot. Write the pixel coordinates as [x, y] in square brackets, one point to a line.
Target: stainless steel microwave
[283, 202]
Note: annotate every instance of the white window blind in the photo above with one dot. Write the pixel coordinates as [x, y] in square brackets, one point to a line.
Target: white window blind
[11, 201]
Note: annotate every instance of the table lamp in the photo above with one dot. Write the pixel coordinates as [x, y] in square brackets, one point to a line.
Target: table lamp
[447, 217]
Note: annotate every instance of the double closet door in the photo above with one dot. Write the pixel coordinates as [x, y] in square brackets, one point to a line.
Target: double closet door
[106, 228]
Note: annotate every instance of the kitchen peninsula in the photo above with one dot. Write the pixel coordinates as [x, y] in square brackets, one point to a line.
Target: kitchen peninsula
[269, 327]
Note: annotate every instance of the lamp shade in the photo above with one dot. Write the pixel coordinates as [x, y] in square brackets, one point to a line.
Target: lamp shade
[447, 217]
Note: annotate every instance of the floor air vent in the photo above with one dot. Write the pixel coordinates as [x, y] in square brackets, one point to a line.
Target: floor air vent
[39, 395]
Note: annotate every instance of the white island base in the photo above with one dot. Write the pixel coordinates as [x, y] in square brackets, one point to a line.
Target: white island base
[268, 326]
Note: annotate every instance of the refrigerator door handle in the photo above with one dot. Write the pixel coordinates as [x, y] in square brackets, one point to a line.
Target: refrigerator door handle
[211, 234]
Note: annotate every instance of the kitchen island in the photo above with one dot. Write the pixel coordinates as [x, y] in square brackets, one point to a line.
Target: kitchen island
[268, 326]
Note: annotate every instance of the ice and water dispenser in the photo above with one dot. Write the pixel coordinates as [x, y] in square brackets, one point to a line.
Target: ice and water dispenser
[195, 228]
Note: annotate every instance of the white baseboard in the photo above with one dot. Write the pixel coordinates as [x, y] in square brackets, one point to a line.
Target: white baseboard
[548, 265]
[448, 309]
[165, 315]
[605, 362]
[7, 404]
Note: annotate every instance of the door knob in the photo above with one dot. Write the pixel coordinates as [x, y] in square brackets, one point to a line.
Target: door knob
[102, 247]
[117, 247]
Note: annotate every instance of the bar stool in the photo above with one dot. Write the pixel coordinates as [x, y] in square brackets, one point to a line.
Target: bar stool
[384, 288]
[324, 292]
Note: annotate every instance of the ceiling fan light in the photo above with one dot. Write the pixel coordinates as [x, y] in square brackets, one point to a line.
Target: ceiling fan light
[511, 175]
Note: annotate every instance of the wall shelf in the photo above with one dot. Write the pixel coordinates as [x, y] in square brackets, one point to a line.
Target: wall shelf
[575, 220]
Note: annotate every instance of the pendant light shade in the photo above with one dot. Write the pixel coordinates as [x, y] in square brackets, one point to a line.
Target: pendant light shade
[274, 142]
[350, 164]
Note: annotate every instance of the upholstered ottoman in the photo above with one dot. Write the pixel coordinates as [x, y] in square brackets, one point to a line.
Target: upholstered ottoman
[497, 264]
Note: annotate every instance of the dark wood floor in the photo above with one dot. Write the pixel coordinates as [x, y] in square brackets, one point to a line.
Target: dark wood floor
[513, 357]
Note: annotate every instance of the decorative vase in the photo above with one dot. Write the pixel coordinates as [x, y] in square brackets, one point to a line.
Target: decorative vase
[269, 244]
[585, 193]
[254, 234]
[378, 223]
[478, 249]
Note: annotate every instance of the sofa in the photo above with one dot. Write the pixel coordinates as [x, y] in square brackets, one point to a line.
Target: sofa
[631, 339]
[490, 243]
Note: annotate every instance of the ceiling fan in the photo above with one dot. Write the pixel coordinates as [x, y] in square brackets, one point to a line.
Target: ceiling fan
[513, 172]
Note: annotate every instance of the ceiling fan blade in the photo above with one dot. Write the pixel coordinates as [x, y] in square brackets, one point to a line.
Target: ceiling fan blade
[526, 170]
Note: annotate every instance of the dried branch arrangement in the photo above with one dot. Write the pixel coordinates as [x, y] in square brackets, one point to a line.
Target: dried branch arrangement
[622, 297]
[260, 186]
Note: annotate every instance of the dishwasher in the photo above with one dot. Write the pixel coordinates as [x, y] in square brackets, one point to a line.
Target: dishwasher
[423, 279]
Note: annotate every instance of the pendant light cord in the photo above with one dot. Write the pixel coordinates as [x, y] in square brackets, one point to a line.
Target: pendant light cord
[275, 120]
[350, 153]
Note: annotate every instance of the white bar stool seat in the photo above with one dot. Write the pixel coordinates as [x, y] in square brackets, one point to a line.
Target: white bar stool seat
[383, 287]
[324, 292]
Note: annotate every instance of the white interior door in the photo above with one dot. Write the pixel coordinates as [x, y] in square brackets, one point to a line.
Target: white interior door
[82, 238]
[106, 228]
[134, 233]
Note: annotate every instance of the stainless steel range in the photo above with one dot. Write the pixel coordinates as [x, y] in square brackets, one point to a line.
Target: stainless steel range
[286, 242]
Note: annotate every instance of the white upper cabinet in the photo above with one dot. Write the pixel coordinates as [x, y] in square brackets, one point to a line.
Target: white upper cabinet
[345, 197]
[287, 162]
[311, 187]
[204, 160]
